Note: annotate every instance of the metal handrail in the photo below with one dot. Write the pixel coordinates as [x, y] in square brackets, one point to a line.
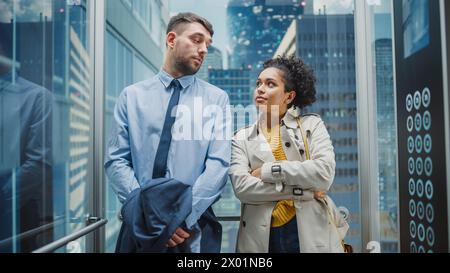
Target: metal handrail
[31, 232]
[98, 223]
[229, 218]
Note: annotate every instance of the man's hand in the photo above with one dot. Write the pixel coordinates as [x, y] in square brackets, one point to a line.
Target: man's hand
[178, 238]
[256, 173]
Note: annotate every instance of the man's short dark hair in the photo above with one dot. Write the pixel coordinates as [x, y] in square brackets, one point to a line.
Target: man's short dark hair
[187, 18]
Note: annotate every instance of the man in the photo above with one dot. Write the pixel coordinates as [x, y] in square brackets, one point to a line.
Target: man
[146, 144]
[25, 153]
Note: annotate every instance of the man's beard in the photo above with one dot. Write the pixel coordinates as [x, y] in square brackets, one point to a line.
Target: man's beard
[182, 65]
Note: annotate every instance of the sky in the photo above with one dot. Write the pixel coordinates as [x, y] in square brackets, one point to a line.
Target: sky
[215, 12]
[24, 9]
[334, 6]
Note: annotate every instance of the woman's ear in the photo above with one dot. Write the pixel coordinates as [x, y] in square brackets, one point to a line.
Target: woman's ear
[290, 97]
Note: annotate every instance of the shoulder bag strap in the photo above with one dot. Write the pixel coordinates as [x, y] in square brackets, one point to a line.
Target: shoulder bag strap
[308, 157]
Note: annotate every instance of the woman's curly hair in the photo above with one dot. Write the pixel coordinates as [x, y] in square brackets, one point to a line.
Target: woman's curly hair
[298, 77]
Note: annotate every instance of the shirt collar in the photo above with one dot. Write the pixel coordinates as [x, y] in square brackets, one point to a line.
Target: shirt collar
[5, 80]
[166, 79]
[6, 77]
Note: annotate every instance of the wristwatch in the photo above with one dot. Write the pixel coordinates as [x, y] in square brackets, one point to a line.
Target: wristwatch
[276, 170]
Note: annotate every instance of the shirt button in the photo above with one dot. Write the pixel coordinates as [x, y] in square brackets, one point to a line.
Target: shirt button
[287, 144]
[302, 151]
[296, 137]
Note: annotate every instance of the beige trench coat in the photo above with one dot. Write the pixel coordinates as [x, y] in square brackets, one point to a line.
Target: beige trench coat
[297, 179]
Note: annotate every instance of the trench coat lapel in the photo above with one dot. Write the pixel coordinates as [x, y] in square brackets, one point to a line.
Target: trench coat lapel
[258, 147]
[289, 143]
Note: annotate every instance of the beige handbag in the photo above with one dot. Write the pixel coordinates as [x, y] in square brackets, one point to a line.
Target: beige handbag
[347, 248]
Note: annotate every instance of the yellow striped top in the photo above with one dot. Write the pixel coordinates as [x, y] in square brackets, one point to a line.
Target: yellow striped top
[284, 210]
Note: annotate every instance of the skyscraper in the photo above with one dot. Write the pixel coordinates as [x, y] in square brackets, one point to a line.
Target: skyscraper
[213, 60]
[387, 150]
[327, 44]
[386, 139]
[256, 28]
[237, 83]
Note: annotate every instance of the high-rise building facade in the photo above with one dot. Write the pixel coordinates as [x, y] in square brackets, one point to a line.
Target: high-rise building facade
[213, 60]
[256, 28]
[386, 138]
[327, 44]
[387, 179]
[239, 87]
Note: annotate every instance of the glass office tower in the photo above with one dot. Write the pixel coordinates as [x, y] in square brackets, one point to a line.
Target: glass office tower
[326, 43]
[256, 29]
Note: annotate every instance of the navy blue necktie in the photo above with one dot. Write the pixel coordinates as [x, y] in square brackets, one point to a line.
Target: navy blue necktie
[160, 165]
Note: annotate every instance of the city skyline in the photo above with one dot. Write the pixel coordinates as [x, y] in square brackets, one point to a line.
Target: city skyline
[215, 11]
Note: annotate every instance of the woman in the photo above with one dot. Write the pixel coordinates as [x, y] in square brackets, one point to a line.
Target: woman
[281, 175]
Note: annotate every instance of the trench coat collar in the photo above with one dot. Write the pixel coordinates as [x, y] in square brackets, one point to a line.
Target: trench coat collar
[289, 120]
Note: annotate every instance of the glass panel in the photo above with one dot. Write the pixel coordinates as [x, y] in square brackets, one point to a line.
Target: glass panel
[229, 236]
[116, 62]
[142, 70]
[44, 123]
[381, 46]
[325, 39]
[141, 8]
[156, 22]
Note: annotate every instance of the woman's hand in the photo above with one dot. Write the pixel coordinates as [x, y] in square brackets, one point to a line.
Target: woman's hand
[256, 173]
[319, 195]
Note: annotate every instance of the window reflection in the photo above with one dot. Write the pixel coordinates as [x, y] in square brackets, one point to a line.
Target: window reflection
[45, 122]
[382, 46]
[26, 157]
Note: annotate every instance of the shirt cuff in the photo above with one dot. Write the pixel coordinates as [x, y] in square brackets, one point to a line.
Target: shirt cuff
[272, 172]
[191, 220]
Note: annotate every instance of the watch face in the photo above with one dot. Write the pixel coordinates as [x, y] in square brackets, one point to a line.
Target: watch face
[298, 191]
[276, 169]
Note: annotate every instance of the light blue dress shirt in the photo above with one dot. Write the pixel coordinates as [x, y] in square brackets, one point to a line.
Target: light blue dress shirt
[25, 137]
[200, 150]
